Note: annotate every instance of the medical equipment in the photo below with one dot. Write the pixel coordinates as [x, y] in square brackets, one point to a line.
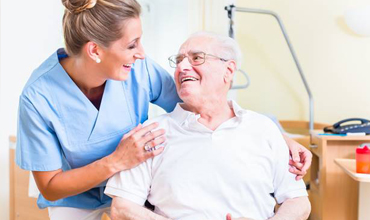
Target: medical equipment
[231, 9]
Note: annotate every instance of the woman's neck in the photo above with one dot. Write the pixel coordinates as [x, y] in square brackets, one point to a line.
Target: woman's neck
[83, 73]
[84, 76]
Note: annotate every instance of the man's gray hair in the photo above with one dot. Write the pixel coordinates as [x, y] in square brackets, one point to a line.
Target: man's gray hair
[229, 48]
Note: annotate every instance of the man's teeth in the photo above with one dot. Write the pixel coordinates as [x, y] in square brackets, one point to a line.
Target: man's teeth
[127, 65]
[188, 79]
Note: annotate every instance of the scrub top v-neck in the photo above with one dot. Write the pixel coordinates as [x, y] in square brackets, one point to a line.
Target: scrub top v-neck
[59, 127]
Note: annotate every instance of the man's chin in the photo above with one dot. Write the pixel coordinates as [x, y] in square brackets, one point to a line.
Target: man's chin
[187, 95]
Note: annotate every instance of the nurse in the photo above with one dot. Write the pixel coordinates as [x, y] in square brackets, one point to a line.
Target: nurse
[80, 112]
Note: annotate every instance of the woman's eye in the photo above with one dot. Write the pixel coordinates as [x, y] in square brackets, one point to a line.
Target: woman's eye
[132, 47]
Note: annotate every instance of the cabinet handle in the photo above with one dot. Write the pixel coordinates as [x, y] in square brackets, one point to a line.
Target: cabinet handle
[313, 146]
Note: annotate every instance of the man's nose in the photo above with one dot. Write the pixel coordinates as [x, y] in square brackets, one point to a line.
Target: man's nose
[184, 64]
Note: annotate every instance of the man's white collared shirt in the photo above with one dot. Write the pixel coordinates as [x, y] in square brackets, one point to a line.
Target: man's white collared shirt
[202, 174]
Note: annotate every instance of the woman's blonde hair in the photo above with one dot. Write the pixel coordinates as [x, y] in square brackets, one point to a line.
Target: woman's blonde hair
[100, 21]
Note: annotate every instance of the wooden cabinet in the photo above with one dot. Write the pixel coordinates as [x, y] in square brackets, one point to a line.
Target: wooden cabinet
[301, 131]
[333, 194]
[21, 206]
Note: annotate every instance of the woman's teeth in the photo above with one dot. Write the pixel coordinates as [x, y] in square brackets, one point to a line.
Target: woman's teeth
[127, 65]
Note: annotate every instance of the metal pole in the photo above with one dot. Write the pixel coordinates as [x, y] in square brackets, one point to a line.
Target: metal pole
[231, 9]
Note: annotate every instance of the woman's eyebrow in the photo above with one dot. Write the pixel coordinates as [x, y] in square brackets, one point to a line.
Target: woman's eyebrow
[134, 40]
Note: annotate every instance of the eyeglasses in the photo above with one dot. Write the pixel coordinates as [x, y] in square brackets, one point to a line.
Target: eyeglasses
[195, 58]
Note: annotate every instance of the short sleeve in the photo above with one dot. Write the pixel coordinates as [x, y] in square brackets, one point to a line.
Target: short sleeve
[38, 148]
[133, 184]
[162, 86]
[285, 185]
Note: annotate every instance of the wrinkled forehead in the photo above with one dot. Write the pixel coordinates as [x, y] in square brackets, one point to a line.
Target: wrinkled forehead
[199, 44]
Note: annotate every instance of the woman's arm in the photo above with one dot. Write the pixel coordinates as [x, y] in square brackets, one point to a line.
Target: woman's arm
[130, 152]
[123, 209]
[302, 158]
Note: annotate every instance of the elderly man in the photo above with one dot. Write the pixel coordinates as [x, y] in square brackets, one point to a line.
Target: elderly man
[219, 160]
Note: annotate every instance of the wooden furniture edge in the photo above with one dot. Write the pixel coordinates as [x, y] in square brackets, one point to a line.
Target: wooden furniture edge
[349, 167]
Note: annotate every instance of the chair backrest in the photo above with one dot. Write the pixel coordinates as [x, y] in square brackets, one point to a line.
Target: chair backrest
[300, 127]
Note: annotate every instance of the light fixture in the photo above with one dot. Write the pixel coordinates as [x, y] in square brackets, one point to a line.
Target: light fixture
[358, 20]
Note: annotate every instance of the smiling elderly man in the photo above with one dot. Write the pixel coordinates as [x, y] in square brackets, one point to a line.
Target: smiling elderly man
[218, 157]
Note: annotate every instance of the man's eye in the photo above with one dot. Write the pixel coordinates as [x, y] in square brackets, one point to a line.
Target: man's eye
[179, 59]
[197, 58]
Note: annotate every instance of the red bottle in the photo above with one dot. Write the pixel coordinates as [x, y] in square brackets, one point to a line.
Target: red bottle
[363, 159]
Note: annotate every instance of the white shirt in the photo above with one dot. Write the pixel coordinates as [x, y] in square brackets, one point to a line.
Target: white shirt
[205, 174]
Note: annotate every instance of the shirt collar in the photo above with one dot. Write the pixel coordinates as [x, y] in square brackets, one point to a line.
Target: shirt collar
[181, 116]
[184, 117]
[238, 111]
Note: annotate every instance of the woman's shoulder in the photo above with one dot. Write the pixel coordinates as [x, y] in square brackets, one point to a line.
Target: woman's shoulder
[42, 70]
[41, 74]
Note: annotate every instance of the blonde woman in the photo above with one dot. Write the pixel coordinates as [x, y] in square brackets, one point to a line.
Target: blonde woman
[80, 112]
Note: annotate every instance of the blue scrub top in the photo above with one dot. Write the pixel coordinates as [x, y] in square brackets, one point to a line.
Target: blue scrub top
[59, 127]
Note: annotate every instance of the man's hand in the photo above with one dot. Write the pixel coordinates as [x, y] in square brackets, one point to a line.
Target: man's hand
[229, 217]
[301, 158]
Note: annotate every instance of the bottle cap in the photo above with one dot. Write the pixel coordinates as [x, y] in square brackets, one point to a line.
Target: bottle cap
[363, 150]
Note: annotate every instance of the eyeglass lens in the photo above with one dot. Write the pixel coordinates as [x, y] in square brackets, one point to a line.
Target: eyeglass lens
[195, 58]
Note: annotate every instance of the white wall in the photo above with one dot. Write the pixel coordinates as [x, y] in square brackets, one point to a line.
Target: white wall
[30, 32]
[336, 62]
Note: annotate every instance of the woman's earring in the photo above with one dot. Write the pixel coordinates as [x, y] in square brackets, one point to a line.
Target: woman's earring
[97, 60]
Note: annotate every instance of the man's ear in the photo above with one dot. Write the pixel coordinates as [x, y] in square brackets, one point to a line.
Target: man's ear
[93, 50]
[230, 71]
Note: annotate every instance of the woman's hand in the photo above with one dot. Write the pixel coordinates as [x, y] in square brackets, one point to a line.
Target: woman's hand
[229, 217]
[301, 158]
[137, 146]
[130, 152]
